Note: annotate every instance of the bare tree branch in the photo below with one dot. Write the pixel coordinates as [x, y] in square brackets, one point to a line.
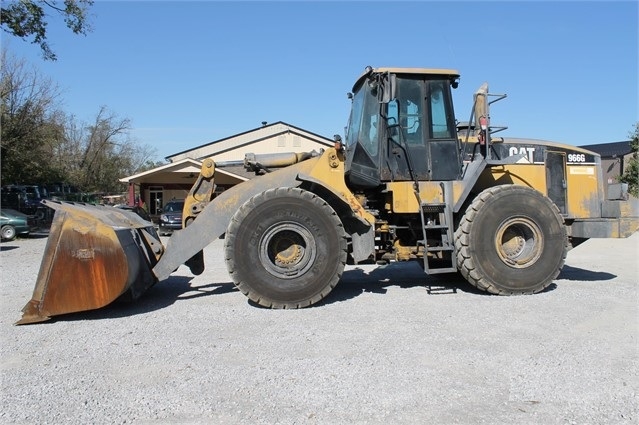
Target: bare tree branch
[26, 19]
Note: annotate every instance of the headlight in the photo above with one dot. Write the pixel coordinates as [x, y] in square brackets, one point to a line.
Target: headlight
[164, 218]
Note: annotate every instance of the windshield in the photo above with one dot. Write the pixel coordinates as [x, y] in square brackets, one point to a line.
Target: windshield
[174, 207]
[424, 107]
[33, 192]
[363, 122]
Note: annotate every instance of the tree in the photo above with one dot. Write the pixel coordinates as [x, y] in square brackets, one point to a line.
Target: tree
[31, 124]
[631, 173]
[27, 19]
[41, 144]
[150, 165]
[95, 156]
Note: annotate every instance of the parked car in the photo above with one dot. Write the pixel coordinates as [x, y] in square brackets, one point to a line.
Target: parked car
[12, 224]
[171, 217]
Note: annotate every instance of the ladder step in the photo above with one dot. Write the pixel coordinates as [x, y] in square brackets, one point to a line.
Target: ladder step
[440, 235]
[433, 208]
[442, 270]
[439, 248]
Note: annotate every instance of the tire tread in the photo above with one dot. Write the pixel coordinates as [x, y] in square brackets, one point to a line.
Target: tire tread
[242, 213]
[465, 261]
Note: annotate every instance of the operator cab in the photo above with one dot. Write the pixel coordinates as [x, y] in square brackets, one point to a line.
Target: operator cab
[402, 127]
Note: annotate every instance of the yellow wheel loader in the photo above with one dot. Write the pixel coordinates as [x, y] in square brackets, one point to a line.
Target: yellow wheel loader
[408, 182]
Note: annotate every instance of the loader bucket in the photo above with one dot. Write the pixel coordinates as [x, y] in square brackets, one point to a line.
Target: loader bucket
[94, 255]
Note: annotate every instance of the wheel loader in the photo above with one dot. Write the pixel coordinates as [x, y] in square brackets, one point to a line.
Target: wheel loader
[409, 182]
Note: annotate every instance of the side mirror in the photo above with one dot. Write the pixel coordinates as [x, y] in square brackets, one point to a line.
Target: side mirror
[387, 83]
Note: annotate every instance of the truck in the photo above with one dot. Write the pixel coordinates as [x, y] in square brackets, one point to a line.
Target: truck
[26, 199]
[407, 182]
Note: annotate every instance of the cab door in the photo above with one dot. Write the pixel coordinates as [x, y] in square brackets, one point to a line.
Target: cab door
[556, 179]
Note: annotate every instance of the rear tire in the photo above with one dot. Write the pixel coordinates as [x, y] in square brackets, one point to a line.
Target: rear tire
[285, 248]
[511, 240]
[8, 233]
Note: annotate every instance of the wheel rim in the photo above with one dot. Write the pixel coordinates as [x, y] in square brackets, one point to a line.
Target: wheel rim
[8, 232]
[519, 242]
[287, 250]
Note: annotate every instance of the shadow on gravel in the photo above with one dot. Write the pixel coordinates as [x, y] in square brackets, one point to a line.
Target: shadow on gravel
[5, 247]
[354, 282]
[38, 235]
[403, 275]
[162, 295]
[575, 273]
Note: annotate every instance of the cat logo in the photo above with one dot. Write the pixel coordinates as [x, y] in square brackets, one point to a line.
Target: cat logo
[526, 153]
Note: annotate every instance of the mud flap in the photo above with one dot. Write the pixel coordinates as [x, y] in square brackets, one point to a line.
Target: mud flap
[94, 255]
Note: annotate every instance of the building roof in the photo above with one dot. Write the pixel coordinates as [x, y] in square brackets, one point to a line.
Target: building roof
[322, 139]
[610, 150]
[187, 166]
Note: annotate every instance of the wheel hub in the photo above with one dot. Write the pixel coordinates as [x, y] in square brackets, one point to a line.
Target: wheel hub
[287, 250]
[518, 242]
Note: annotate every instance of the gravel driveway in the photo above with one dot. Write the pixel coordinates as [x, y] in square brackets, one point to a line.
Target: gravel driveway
[389, 346]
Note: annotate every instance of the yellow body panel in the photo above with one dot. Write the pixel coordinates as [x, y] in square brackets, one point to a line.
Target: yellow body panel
[404, 199]
[583, 200]
[329, 170]
[582, 185]
[531, 175]
[582, 188]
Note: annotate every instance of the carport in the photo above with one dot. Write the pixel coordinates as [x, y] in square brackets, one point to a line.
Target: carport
[153, 188]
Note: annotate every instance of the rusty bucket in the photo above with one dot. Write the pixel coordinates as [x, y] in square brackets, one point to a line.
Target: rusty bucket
[94, 256]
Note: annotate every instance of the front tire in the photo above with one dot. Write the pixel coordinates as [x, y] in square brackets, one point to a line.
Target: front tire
[8, 233]
[511, 240]
[285, 248]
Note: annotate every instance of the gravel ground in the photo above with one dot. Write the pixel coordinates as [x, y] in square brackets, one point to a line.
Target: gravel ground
[389, 346]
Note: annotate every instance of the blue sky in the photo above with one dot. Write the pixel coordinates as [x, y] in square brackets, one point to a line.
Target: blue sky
[188, 73]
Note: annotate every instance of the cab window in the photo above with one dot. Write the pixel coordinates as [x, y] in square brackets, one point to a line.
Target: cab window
[438, 116]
